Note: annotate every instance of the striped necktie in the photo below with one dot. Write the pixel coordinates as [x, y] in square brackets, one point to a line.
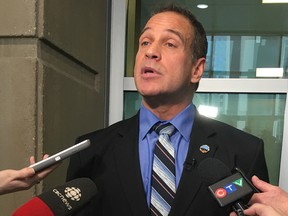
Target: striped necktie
[163, 174]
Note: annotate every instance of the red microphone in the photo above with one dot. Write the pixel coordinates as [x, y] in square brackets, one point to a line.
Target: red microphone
[34, 207]
[62, 200]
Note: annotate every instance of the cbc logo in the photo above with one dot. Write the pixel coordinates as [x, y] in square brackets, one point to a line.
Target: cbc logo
[73, 193]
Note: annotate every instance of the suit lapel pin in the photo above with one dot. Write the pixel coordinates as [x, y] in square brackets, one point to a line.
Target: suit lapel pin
[204, 149]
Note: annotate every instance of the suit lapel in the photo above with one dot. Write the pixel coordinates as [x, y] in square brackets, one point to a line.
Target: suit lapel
[128, 167]
[191, 180]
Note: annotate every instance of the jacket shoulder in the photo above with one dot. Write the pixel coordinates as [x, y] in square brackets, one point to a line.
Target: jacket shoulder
[223, 128]
[116, 128]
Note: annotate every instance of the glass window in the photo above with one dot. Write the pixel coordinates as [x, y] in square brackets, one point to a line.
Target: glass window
[259, 114]
[284, 56]
[237, 44]
[132, 102]
[239, 56]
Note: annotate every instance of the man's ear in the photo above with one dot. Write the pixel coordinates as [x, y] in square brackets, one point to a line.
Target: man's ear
[198, 70]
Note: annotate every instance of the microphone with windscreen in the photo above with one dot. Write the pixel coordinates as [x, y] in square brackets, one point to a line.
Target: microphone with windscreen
[62, 200]
[226, 187]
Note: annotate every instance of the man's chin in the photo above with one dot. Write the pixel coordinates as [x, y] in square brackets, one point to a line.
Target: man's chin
[150, 95]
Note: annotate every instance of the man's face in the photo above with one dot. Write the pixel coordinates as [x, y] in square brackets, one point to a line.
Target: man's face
[163, 64]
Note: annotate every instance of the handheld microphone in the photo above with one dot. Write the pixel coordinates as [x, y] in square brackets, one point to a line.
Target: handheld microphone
[62, 200]
[226, 187]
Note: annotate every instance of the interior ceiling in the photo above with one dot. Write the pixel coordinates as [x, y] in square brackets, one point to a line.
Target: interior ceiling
[224, 2]
[231, 16]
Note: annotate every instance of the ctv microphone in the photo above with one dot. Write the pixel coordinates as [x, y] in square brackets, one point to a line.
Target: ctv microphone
[62, 200]
[226, 187]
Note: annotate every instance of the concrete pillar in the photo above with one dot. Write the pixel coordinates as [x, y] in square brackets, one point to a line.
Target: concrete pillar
[53, 81]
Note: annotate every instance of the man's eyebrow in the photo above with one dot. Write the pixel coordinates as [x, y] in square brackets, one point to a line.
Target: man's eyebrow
[177, 33]
[144, 30]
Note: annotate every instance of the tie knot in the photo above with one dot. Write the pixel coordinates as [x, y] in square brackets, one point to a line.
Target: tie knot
[167, 128]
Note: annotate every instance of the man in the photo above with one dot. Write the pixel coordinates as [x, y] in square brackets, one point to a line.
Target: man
[272, 201]
[25, 178]
[169, 65]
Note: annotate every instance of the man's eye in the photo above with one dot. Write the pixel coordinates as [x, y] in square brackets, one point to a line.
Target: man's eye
[170, 45]
[144, 43]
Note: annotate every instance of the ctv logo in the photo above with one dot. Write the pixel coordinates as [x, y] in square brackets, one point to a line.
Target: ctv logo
[228, 189]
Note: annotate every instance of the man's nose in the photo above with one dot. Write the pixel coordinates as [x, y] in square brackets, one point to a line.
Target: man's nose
[153, 52]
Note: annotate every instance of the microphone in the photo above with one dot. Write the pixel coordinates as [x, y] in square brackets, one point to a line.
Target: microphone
[62, 200]
[226, 187]
[188, 165]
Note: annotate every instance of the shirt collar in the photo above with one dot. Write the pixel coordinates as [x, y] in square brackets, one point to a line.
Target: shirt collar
[182, 122]
[147, 120]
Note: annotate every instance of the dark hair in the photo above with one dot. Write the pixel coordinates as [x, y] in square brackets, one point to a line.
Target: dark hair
[199, 43]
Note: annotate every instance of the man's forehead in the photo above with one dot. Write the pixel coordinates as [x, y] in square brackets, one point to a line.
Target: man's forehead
[170, 22]
[167, 16]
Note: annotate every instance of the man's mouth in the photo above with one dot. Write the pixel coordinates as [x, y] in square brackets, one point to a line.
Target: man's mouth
[148, 70]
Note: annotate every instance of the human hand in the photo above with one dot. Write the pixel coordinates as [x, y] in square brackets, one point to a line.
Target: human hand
[258, 209]
[15, 180]
[271, 195]
[271, 201]
[41, 175]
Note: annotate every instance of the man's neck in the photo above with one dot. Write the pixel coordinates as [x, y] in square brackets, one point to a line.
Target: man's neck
[167, 111]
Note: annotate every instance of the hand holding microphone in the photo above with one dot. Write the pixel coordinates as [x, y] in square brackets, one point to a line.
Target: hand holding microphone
[260, 210]
[62, 200]
[227, 188]
[15, 180]
[272, 201]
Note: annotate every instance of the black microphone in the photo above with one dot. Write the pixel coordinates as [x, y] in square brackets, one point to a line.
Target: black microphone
[189, 164]
[62, 200]
[226, 187]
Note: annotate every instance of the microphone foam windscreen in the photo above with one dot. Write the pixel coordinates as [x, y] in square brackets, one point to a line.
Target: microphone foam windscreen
[34, 207]
[212, 170]
[69, 197]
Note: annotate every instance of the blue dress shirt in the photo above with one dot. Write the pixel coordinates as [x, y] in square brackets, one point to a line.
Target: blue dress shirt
[147, 139]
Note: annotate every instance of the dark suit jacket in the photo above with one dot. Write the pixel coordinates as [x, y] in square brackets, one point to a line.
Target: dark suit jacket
[112, 162]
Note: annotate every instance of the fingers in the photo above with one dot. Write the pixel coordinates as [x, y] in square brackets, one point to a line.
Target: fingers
[261, 210]
[254, 210]
[25, 178]
[47, 171]
[32, 159]
[45, 156]
[15, 180]
[261, 185]
[25, 173]
[40, 175]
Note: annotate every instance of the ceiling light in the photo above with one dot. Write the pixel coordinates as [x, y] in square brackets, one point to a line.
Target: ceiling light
[202, 6]
[269, 72]
[209, 111]
[274, 1]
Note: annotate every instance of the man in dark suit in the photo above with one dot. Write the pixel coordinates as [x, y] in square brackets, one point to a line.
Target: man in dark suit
[169, 65]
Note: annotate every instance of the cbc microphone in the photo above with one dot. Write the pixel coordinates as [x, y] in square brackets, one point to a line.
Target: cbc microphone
[62, 200]
[226, 187]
